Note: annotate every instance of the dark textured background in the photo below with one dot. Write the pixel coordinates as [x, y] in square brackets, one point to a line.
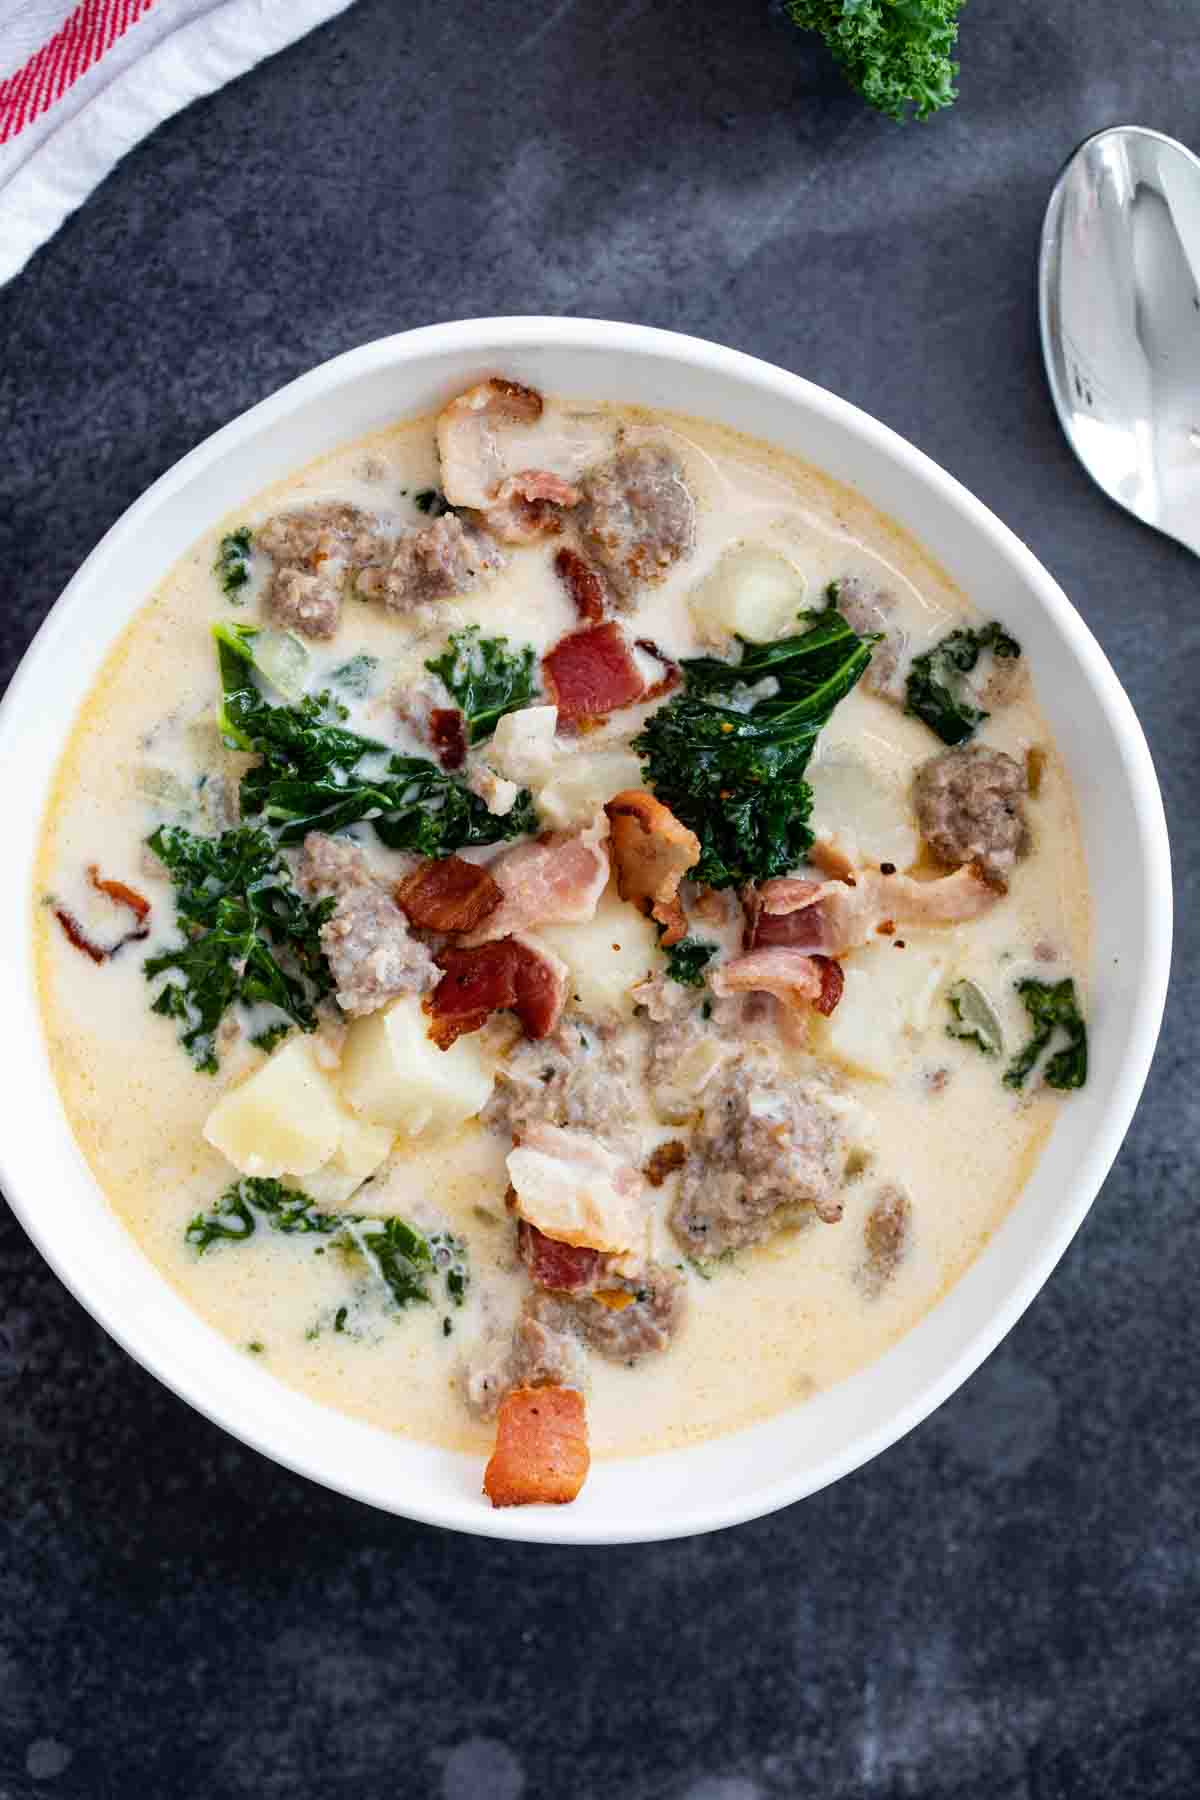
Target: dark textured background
[1004, 1605]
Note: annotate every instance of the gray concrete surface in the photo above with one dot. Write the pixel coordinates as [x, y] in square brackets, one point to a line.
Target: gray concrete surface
[1005, 1605]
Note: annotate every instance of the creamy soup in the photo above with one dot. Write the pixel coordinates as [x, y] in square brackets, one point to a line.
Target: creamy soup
[729, 1035]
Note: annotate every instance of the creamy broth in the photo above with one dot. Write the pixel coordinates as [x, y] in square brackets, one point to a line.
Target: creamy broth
[764, 1329]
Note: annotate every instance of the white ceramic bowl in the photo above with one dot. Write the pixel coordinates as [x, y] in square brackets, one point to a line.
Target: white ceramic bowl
[752, 1471]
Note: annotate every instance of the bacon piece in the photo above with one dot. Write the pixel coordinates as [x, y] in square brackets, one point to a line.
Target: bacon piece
[137, 903]
[582, 584]
[664, 1160]
[78, 936]
[671, 676]
[508, 975]
[447, 894]
[652, 852]
[467, 435]
[564, 1268]
[577, 1191]
[557, 881]
[794, 977]
[541, 1454]
[122, 895]
[591, 674]
[832, 917]
[529, 506]
[448, 737]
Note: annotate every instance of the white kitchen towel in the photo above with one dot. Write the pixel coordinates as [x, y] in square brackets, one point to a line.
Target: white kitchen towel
[81, 81]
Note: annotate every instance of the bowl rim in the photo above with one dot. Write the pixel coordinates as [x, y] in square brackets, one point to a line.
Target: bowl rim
[533, 333]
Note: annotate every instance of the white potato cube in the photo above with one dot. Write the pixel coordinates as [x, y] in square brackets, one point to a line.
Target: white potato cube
[752, 590]
[606, 956]
[887, 1005]
[285, 1118]
[361, 1151]
[522, 746]
[582, 783]
[862, 809]
[394, 1075]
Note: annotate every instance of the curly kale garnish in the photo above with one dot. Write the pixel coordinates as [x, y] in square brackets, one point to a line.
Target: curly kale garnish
[897, 53]
[485, 679]
[734, 772]
[935, 687]
[403, 1258]
[1053, 1007]
[232, 567]
[250, 937]
[310, 776]
[686, 961]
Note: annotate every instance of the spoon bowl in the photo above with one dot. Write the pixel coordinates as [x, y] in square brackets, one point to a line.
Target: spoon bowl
[1119, 299]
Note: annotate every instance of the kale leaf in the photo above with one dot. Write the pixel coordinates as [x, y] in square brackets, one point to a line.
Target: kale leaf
[934, 690]
[1052, 1006]
[309, 777]
[250, 937]
[897, 53]
[687, 959]
[974, 1021]
[734, 772]
[232, 567]
[485, 679]
[403, 1258]
[354, 675]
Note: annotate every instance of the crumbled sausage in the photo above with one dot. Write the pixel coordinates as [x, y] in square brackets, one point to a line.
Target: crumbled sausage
[311, 549]
[969, 808]
[886, 1236]
[577, 1078]
[436, 563]
[646, 1324]
[542, 1351]
[371, 951]
[636, 518]
[867, 610]
[768, 1151]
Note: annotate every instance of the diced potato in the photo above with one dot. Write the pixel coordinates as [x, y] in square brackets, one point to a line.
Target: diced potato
[862, 809]
[752, 590]
[887, 1005]
[286, 1118]
[577, 790]
[394, 1075]
[607, 956]
[522, 746]
[362, 1149]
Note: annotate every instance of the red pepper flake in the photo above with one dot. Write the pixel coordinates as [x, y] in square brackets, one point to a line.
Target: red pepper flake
[832, 982]
[122, 895]
[448, 737]
[886, 928]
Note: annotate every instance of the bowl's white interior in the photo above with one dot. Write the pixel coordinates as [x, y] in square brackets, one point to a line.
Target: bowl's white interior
[747, 1473]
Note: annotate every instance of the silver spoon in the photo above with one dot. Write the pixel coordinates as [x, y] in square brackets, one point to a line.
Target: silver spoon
[1119, 296]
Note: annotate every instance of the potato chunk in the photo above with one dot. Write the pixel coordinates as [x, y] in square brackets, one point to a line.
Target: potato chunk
[577, 789]
[286, 1118]
[394, 1075]
[541, 1452]
[886, 1005]
[606, 956]
[362, 1149]
[752, 591]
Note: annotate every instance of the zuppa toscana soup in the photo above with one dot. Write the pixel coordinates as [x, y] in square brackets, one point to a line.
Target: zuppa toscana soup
[561, 932]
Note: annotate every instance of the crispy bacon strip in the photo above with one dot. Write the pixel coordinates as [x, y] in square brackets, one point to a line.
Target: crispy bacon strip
[447, 894]
[78, 936]
[529, 506]
[507, 974]
[541, 1454]
[564, 1268]
[448, 737]
[591, 673]
[652, 852]
[582, 583]
[137, 903]
[122, 895]
[832, 917]
[793, 976]
[555, 881]
[468, 437]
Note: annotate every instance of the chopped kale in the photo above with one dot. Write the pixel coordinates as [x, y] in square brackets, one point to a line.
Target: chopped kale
[1053, 1007]
[309, 776]
[485, 679]
[432, 502]
[250, 937]
[232, 567]
[400, 1255]
[935, 690]
[898, 54]
[734, 772]
[687, 959]
[354, 675]
[974, 1020]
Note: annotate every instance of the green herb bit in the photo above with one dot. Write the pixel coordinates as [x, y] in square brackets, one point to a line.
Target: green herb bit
[734, 775]
[339, 1318]
[249, 937]
[898, 54]
[432, 502]
[934, 691]
[232, 565]
[974, 1020]
[686, 961]
[485, 679]
[1053, 1007]
[255, 1347]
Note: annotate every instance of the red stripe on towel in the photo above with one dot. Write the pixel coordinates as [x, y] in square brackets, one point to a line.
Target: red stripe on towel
[82, 39]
